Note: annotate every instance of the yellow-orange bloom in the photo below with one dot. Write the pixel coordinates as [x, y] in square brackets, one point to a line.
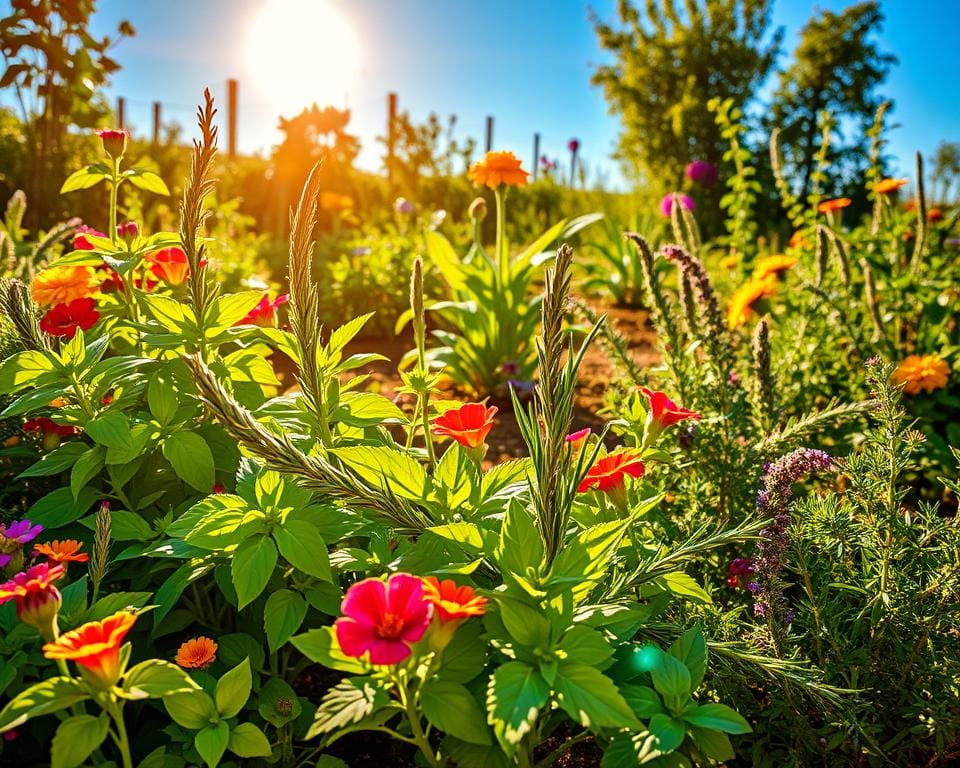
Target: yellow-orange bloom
[61, 285]
[773, 265]
[921, 373]
[332, 201]
[451, 601]
[498, 168]
[66, 551]
[828, 206]
[797, 240]
[886, 186]
[747, 295]
[729, 262]
[198, 653]
[95, 647]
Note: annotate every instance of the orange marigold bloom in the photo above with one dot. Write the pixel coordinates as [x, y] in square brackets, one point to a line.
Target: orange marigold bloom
[452, 602]
[95, 647]
[66, 551]
[741, 304]
[61, 285]
[773, 265]
[934, 214]
[886, 186]
[921, 373]
[498, 168]
[828, 206]
[198, 653]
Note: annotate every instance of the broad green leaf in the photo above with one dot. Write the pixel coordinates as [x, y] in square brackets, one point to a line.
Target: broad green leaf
[592, 699]
[58, 460]
[85, 468]
[520, 550]
[31, 368]
[527, 624]
[584, 645]
[303, 548]
[192, 710]
[714, 744]
[277, 702]
[162, 399]
[211, 742]
[59, 508]
[365, 409]
[386, 469]
[42, 698]
[282, 616]
[320, 645]
[252, 566]
[85, 178]
[226, 523]
[175, 316]
[452, 709]
[76, 738]
[146, 180]
[154, 679]
[681, 584]
[246, 740]
[233, 689]
[669, 732]
[350, 701]
[671, 678]
[129, 526]
[111, 429]
[691, 649]
[516, 694]
[227, 310]
[719, 717]
[191, 459]
[644, 701]
[583, 561]
[443, 256]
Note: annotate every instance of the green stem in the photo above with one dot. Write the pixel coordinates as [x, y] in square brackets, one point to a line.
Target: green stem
[409, 703]
[120, 737]
[114, 186]
[503, 261]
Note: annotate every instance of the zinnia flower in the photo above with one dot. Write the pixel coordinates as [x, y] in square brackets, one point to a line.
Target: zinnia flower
[747, 295]
[66, 551]
[383, 620]
[37, 600]
[773, 265]
[921, 373]
[169, 265]
[452, 602]
[265, 313]
[610, 472]
[829, 206]
[684, 201]
[703, 173]
[663, 413]
[20, 531]
[469, 424]
[886, 186]
[114, 142]
[197, 653]
[64, 319]
[80, 242]
[95, 647]
[61, 285]
[498, 168]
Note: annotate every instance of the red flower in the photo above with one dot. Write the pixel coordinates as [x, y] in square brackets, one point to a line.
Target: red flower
[111, 281]
[64, 319]
[38, 601]
[265, 313]
[49, 427]
[170, 265]
[664, 412]
[609, 472]
[114, 141]
[80, 242]
[95, 647]
[573, 145]
[383, 620]
[469, 424]
[934, 214]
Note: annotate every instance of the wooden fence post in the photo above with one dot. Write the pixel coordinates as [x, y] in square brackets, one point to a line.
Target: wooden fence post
[489, 132]
[536, 154]
[156, 122]
[232, 117]
[121, 104]
[391, 133]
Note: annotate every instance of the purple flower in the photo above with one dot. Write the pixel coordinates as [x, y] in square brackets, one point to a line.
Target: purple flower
[402, 205]
[360, 250]
[20, 531]
[510, 368]
[703, 173]
[5, 559]
[666, 205]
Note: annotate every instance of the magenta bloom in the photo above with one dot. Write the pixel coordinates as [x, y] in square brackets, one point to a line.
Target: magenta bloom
[573, 145]
[666, 205]
[20, 531]
[703, 173]
[265, 313]
[383, 619]
[5, 559]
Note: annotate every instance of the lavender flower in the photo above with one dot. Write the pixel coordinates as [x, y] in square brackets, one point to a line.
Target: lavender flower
[20, 531]
[703, 173]
[695, 272]
[666, 205]
[773, 501]
[5, 559]
[361, 250]
[403, 206]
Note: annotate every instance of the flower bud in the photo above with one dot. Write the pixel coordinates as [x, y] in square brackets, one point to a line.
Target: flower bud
[39, 609]
[114, 142]
[478, 209]
[128, 232]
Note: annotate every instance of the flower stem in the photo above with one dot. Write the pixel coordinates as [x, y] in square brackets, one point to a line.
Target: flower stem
[120, 737]
[114, 185]
[503, 262]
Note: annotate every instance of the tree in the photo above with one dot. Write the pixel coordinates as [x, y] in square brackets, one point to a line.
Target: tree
[946, 172]
[836, 67]
[668, 65]
[56, 68]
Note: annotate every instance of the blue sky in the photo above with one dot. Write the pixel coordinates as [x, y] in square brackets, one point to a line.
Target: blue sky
[526, 62]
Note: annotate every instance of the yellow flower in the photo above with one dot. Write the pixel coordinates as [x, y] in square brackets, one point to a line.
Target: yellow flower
[921, 373]
[498, 168]
[886, 186]
[61, 285]
[773, 265]
[729, 262]
[740, 308]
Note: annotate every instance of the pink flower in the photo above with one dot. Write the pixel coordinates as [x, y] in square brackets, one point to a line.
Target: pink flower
[573, 145]
[383, 619]
[265, 313]
[114, 142]
[576, 440]
[128, 231]
[80, 242]
[666, 205]
[703, 173]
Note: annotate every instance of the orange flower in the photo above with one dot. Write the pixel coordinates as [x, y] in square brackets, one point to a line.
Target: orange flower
[934, 214]
[451, 602]
[498, 168]
[797, 240]
[921, 373]
[741, 304]
[170, 265]
[886, 186]
[469, 424]
[198, 653]
[61, 285]
[95, 647]
[610, 472]
[829, 206]
[729, 262]
[773, 265]
[332, 201]
[66, 551]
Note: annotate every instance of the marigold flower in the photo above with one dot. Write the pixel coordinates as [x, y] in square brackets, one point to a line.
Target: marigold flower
[684, 201]
[934, 214]
[265, 313]
[61, 285]
[333, 201]
[197, 653]
[80, 241]
[829, 206]
[729, 262]
[498, 168]
[114, 141]
[469, 424]
[773, 265]
[64, 319]
[886, 186]
[383, 619]
[37, 600]
[797, 240]
[921, 373]
[610, 471]
[703, 173]
[663, 413]
[747, 295]
[169, 265]
[65, 551]
[452, 602]
[95, 647]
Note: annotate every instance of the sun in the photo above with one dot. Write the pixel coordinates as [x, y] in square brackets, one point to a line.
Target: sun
[300, 52]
